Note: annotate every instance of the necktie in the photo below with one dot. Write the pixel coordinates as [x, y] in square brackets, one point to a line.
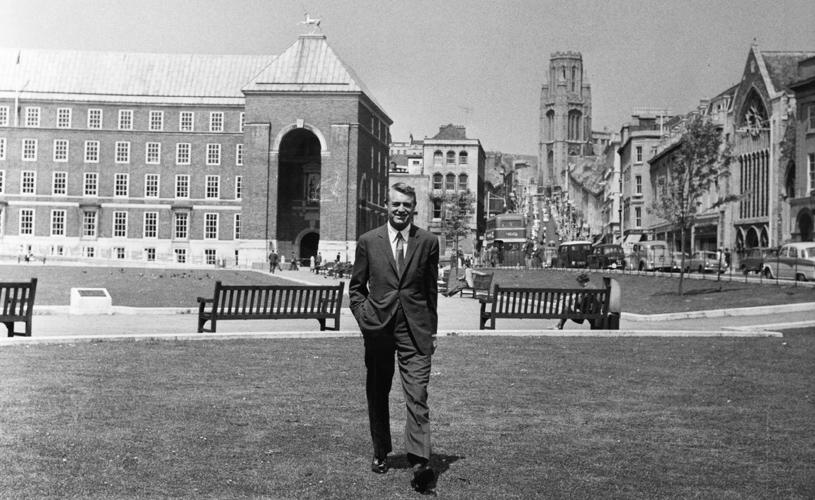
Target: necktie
[400, 252]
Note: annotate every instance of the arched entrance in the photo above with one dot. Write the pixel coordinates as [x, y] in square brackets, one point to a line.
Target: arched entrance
[751, 240]
[308, 245]
[298, 191]
[804, 224]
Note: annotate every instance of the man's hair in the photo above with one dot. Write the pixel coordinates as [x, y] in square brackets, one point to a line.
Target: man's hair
[403, 188]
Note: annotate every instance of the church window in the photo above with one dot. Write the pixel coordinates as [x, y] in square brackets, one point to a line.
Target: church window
[550, 125]
[574, 77]
[574, 125]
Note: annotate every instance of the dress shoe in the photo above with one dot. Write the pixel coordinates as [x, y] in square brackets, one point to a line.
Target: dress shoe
[379, 465]
[423, 477]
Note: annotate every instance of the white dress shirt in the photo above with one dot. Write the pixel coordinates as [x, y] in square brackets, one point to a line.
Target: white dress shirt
[392, 237]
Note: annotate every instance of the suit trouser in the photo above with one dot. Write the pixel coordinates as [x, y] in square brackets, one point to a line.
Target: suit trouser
[414, 369]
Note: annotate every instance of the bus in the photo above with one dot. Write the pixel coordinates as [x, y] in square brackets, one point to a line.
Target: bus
[572, 254]
[504, 240]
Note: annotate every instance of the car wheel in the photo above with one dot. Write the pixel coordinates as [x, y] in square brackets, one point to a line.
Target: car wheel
[800, 277]
[767, 273]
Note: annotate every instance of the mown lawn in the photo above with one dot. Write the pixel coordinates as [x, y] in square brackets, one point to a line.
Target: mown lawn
[150, 287]
[512, 418]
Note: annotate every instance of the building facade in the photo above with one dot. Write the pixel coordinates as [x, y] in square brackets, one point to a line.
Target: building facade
[802, 195]
[192, 159]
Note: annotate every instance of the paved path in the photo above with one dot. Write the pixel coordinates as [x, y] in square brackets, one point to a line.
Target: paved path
[458, 316]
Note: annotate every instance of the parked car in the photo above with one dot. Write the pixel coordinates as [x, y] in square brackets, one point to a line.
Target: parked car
[705, 261]
[650, 256]
[676, 261]
[793, 261]
[608, 256]
[752, 261]
[572, 254]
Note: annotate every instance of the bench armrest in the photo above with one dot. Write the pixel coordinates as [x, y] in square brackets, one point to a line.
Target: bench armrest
[204, 300]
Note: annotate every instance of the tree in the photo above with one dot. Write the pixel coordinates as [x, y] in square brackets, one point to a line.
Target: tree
[696, 165]
[455, 219]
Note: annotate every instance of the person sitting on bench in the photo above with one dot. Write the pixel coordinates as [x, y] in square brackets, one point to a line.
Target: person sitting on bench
[586, 304]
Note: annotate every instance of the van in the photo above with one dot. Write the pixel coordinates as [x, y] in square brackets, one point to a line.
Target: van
[572, 254]
[651, 256]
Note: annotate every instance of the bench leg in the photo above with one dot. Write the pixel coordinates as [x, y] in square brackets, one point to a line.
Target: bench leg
[9, 327]
[322, 324]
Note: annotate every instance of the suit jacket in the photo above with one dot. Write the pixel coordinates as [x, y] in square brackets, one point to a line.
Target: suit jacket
[376, 289]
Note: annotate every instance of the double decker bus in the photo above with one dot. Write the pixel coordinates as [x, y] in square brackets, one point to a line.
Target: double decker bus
[504, 240]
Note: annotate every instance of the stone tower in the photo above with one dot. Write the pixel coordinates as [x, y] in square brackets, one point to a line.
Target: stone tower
[565, 120]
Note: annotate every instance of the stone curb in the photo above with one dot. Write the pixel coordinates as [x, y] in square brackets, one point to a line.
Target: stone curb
[720, 313]
[73, 339]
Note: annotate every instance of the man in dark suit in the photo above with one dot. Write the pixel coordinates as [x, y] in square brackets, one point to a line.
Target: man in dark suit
[393, 294]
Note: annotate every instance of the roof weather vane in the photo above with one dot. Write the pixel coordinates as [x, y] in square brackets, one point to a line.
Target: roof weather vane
[310, 21]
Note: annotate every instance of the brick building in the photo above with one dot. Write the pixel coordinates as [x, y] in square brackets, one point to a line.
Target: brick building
[188, 158]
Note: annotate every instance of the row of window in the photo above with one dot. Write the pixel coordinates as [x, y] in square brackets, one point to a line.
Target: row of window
[150, 225]
[448, 182]
[32, 118]
[121, 185]
[148, 253]
[450, 159]
[122, 149]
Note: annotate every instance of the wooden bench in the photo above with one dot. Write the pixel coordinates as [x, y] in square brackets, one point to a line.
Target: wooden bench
[482, 284]
[271, 302]
[17, 305]
[555, 303]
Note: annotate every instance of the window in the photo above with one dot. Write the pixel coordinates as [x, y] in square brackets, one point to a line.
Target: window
[238, 187]
[437, 158]
[29, 149]
[2, 185]
[638, 154]
[242, 122]
[462, 182]
[59, 183]
[437, 209]
[180, 229]
[119, 224]
[210, 226]
[151, 185]
[180, 255]
[60, 150]
[2, 148]
[151, 224]
[150, 254]
[450, 182]
[125, 119]
[638, 184]
[239, 154]
[91, 151]
[237, 227]
[811, 117]
[186, 121]
[28, 182]
[216, 121]
[574, 126]
[209, 256]
[152, 155]
[213, 154]
[462, 158]
[32, 116]
[156, 121]
[119, 252]
[122, 152]
[3, 116]
[810, 169]
[26, 221]
[63, 117]
[451, 158]
[57, 222]
[94, 118]
[120, 185]
[212, 189]
[89, 224]
[89, 252]
[182, 186]
[182, 153]
[438, 181]
[90, 184]
[638, 216]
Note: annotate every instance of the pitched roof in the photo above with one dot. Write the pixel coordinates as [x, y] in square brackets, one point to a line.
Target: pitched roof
[127, 74]
[783, 66]
[308, 65]
[451, 132]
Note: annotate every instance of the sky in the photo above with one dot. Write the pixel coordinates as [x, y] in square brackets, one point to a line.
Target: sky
[475, 63]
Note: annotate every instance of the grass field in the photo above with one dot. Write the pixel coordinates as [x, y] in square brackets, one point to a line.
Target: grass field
[512, 418]
[150, 287]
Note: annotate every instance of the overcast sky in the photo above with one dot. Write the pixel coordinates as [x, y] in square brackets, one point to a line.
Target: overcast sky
[477, 63]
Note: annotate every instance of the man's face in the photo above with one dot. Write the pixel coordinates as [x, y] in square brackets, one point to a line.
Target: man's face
[400, 209]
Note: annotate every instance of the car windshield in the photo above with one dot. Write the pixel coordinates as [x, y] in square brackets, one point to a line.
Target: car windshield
[609, 250]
